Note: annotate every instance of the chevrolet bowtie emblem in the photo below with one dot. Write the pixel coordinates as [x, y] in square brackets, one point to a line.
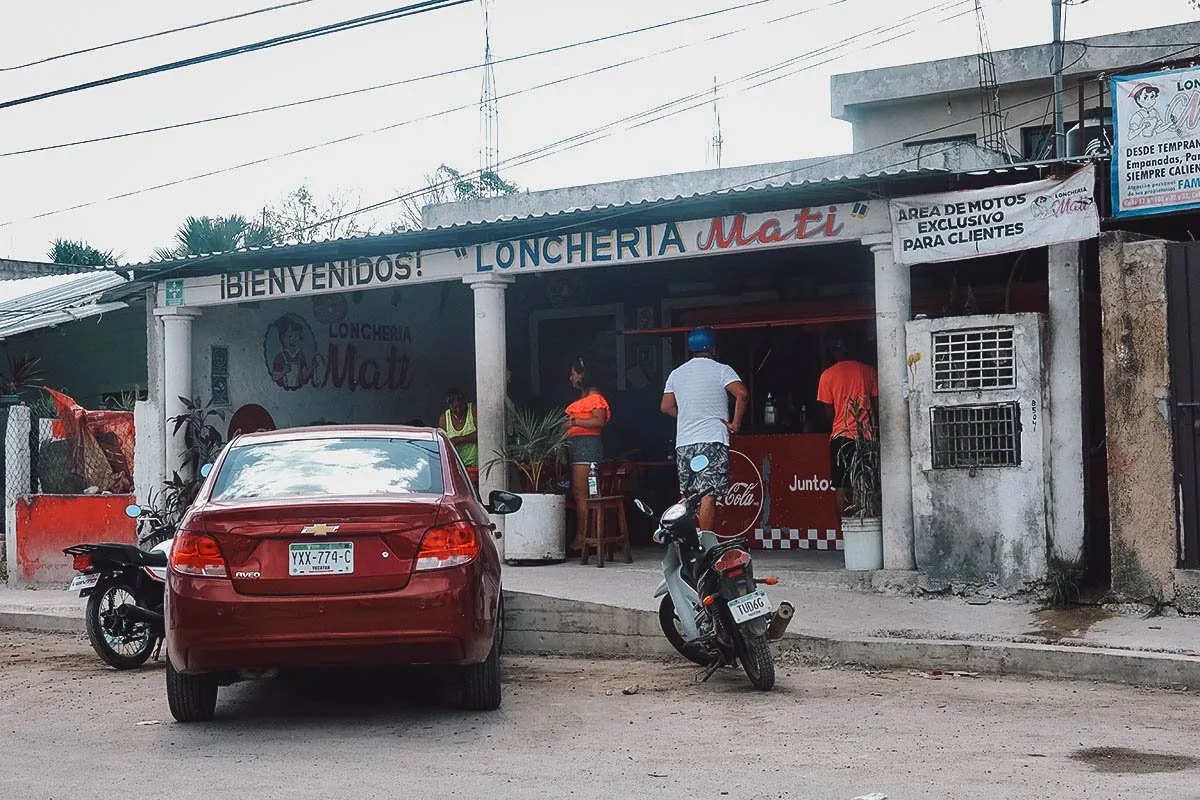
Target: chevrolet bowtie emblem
[320, 530]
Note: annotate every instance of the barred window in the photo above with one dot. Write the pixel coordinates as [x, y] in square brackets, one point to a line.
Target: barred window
[968, 360]
[966, 437]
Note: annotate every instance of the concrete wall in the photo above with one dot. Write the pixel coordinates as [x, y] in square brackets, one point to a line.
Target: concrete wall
[409, 345]
[913, 119]
[47, 523]
[984, 526]
[1141, 463]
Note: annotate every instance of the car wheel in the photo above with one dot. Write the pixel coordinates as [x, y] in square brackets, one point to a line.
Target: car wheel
[481, 682]
[192, 698]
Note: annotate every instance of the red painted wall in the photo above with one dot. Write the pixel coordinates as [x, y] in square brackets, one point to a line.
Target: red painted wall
[46, 523]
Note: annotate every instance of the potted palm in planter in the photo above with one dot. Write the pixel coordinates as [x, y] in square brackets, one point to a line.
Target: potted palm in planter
[862, 529]
[23, 373]
[535, 445]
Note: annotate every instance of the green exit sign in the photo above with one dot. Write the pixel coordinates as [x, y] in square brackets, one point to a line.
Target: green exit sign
[175, 293]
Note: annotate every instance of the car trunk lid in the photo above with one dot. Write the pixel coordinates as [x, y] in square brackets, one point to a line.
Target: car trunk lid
[351, 546]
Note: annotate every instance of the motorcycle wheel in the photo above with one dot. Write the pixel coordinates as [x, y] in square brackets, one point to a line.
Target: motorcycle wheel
[756, 660]
[669, 620]
[121, 650]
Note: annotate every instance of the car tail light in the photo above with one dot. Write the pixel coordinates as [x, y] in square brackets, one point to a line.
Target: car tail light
[81, 563]
[731, 560]
[196, 554]
[448, 546]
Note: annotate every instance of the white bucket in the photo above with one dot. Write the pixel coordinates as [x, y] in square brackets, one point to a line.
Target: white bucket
[536, 534]
[862, 543]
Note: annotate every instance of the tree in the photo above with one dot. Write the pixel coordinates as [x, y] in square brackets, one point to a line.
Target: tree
[300, 217]
[205, 235]
[447, 185]
[79, 254]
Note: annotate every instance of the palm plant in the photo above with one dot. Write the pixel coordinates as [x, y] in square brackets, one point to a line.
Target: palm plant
[79, 254]
[860, 460]
[204, 235]
[536, 443]
[22, 374]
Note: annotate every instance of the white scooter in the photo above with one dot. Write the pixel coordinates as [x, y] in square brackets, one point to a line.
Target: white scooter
[713, 611]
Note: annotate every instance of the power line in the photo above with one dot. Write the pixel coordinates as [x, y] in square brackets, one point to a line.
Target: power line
[193, 262]
[155, 35]
[444, 112]
[786, 174]
[417, 79]
[290, 38]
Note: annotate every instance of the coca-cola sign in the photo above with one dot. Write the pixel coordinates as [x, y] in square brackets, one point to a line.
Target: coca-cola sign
[742, 504]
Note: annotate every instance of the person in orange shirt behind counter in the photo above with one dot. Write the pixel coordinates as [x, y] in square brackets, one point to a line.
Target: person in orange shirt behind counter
[586, 418]
[840, 387]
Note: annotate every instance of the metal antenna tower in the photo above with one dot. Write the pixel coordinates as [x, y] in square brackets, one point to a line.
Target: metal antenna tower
[991, 114]
[718, 140]
[489, 106]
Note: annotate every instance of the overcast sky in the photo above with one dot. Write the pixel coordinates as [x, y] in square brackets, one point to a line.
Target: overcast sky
[784, 120]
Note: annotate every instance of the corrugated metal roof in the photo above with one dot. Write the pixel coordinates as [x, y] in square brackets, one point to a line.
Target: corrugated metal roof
[760, 196]
[30, 304]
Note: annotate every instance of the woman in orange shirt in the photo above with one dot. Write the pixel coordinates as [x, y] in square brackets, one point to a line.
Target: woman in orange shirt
[586, 417]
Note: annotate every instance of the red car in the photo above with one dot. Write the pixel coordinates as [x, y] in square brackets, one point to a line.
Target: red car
[329, 547]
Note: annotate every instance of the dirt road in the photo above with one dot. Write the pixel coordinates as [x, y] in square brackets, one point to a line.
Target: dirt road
[72, 728]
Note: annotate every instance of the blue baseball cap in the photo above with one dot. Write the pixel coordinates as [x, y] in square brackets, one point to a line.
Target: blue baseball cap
[701, 340]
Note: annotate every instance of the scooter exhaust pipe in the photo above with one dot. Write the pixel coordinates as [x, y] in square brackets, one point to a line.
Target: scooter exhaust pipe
[139, 614]
[779, 621]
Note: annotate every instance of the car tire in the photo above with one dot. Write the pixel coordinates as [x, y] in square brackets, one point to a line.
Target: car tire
[481, 682]
[192, 698]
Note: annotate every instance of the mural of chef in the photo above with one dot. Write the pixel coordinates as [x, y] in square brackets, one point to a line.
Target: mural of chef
[290, 352]
[1146, 120]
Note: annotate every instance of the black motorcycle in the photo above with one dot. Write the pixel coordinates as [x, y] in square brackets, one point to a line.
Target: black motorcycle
[713, 611]
[124, 585]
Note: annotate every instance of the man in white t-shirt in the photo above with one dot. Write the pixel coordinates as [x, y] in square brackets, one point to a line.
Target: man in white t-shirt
[697, 395]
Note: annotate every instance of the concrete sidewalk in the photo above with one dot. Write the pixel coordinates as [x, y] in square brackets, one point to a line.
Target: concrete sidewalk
[868, 618]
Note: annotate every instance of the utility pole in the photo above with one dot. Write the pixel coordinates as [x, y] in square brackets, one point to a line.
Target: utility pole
[1060, 138]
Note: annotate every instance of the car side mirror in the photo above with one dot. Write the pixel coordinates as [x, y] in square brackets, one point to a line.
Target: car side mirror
[502, 502]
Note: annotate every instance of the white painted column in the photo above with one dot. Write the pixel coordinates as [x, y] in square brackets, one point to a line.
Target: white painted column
[491, 363]
[1065, 373]
[177, 375]
[893, 308]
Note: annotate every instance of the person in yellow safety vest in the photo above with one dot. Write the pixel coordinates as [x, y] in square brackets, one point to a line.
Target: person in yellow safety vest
[458, 421]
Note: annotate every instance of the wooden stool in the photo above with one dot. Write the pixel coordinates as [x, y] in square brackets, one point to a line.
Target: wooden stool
[610, 506]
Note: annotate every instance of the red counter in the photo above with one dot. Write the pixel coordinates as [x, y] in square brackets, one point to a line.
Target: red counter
[781, 495]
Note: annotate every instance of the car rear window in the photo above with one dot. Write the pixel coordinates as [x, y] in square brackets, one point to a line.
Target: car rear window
[330, 467]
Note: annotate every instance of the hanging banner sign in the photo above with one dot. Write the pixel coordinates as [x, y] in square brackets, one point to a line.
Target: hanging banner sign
[559, 251]
[1156, 148]
[999, 219]
[667, 241]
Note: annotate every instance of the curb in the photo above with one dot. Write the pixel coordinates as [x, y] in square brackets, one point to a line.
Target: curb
[538, 624]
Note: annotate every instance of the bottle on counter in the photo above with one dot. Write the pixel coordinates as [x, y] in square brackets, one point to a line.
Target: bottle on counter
[769, 411]
[593, 481]
[805, 425]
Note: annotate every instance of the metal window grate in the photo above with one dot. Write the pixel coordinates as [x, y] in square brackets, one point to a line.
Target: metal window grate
[981, 358]
[966, 437]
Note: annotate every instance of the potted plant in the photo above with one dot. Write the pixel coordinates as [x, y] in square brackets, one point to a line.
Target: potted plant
[22, 374]
[535, 445]
[862, 529]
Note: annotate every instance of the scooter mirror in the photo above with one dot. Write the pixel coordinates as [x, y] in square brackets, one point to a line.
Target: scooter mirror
[644, 508]
[206, 470]
[133, 511]
[698, 463]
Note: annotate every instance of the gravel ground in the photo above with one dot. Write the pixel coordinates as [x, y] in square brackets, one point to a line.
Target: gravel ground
[72, 728]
